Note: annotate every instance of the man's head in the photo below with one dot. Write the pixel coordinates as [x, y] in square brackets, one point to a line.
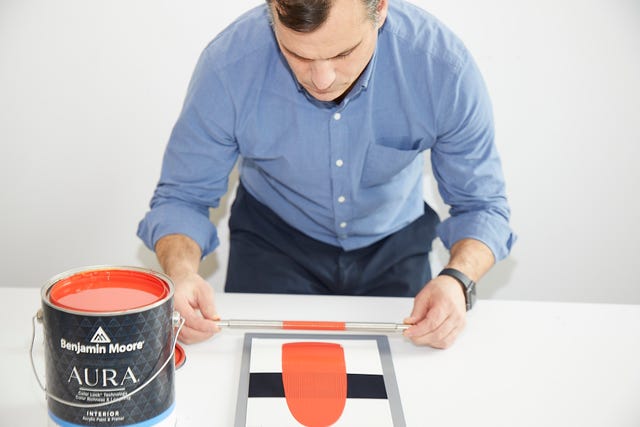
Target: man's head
[307, 15]
[327, 43]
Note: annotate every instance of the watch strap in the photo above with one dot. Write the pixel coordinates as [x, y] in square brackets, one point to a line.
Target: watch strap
[468, 285]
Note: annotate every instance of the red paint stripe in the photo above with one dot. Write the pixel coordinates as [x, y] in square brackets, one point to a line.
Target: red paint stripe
[313, 325]
[314, 376]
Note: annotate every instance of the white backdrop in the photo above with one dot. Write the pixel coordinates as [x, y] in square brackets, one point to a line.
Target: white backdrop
[89, 91]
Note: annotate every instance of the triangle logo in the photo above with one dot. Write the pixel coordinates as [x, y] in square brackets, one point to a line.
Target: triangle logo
[100, 337]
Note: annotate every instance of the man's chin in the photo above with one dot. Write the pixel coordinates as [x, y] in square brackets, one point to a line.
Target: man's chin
[325, 96]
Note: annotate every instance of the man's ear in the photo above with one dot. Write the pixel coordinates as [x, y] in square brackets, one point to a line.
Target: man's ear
[382, 9]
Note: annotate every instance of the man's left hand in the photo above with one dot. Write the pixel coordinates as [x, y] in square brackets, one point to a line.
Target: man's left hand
[439, 313]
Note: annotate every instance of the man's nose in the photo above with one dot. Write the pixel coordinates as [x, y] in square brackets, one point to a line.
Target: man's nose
[322, 74]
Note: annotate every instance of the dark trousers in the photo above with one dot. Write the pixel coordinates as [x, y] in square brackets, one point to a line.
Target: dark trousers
[269, 256]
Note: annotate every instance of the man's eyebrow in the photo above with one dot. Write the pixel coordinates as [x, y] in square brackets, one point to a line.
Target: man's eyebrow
[343, 53]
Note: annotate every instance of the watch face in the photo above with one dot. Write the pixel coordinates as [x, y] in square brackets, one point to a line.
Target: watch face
[471, 295]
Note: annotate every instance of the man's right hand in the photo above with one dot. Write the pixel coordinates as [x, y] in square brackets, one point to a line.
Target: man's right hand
[179, 257]
[194, 300]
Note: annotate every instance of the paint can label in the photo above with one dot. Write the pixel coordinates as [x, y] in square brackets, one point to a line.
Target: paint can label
[106, 369]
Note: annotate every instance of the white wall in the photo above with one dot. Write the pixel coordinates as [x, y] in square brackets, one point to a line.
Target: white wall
[89, 91]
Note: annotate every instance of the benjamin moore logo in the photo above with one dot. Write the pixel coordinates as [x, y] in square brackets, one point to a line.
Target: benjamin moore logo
[100, 337]
[100, 344]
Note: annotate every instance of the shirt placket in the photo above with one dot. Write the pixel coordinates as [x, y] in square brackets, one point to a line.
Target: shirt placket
[339, 172]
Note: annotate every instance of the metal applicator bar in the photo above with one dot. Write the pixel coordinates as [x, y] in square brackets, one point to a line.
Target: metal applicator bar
[313, 325]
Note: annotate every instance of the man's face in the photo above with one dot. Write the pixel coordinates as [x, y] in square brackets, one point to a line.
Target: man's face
[327, 61]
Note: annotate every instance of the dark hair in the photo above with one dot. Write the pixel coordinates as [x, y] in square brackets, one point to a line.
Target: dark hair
[306, 16]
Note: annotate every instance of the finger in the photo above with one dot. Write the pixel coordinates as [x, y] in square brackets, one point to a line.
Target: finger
[445, 334]
[442, 337]
[194, 320]
[420, 308]
[190, 336]
[443, 342]
[207, 306]
[195, 327]
[433, 320]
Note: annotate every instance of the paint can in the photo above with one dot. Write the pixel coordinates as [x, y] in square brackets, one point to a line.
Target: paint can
[110, 336]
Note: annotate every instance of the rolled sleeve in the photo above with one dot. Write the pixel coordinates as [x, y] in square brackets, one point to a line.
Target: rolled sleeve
[198, 159]
[172, 218]
[491, 229]
[467, 166]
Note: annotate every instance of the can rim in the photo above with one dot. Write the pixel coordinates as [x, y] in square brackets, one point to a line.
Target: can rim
[47, 288]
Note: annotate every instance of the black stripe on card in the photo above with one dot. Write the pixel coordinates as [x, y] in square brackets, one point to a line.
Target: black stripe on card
[359, 386]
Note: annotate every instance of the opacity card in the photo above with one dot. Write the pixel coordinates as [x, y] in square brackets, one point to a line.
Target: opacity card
[310, 380]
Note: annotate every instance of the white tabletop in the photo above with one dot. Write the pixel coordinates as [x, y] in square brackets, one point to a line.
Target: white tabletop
[516, 364]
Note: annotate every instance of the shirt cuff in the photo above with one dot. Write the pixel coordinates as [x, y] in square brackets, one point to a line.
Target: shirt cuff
[494, 231]
[177, 219]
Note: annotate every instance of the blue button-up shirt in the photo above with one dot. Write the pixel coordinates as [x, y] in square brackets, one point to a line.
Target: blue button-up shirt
[346, 174]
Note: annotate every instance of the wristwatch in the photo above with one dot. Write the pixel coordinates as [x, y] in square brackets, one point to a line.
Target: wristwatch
[468, 285]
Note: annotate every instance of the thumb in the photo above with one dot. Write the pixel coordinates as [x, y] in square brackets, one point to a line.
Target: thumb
[420, 307]
[208, 310]
[206, 304]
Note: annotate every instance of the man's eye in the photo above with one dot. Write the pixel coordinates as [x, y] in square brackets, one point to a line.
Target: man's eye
[343, 55]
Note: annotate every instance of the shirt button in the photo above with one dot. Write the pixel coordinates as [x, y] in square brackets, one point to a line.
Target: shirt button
[341, 199]
[343, 225]
[339, 163]
[337, 116]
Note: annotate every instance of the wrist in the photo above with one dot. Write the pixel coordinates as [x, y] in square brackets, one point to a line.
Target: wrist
[178, 255]
[468, 285]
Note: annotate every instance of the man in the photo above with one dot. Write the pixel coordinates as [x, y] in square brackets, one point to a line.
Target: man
[330, 105]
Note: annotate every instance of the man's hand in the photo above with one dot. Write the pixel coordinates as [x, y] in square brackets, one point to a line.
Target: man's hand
[179, 257]
[194, 300]
[439, 310]
[439, 313]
